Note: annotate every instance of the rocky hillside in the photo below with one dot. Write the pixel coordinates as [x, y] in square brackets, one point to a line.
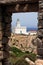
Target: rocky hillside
[23, 42]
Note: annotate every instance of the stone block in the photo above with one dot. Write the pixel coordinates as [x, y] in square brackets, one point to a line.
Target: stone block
[1, 35]
[40, 33]
[1, 44]
[6, 47]
[1, 55]
[6, 54]
[40, 16]
[40, 13]
[40, 10]
[40, 1]
[8, 18]
[5, 40]
[39, 43]
[8, 29]
[7, 33]
[40, 51]
[40, 24]
[40, 4]
[8, 25]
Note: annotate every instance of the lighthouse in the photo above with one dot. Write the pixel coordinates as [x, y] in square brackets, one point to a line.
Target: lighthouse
[20, 29]
[18, 23]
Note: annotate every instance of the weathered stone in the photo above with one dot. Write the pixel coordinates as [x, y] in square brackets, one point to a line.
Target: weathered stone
[1, 55]
[40, 15]
[8, 18]
[40, 51]
[39, 62]
[39, 46]
[14, 1]
[1, 35]
[40, 1]
[29, 61]
[8, 25]
[5, 54]
[4, 40]
[40, 24]
[40, 33]
[40, 29]
[41, 5]
[41, 10]
[0, 43]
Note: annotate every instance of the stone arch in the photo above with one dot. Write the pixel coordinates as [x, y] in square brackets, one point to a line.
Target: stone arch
[7, 7]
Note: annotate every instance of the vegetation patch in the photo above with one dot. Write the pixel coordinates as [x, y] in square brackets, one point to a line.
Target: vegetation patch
[17, 51]
[18, 57]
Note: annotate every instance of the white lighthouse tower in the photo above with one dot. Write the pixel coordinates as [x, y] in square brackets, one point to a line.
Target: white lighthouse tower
[19, 29]
[18, 23]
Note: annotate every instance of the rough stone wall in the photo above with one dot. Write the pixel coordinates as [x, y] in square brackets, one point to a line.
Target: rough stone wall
[22, 7]
[14, 1]
[5, 30]
[1, 33]
[40, 28]
[6, 34]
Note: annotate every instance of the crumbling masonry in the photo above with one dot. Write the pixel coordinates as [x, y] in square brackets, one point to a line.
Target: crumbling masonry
[7, 7]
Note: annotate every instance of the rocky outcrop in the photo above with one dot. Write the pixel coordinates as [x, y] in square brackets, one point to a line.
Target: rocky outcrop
[29, 61]
[37, 62]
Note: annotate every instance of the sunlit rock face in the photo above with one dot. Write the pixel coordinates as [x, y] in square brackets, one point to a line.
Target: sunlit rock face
[39, 62]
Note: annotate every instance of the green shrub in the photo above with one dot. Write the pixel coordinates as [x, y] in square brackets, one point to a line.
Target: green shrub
[14, 49]
[17, 51]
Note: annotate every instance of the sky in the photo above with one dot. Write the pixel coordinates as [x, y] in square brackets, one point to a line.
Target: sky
[30, 20]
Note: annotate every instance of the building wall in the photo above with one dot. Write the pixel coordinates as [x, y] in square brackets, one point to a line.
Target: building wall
[20, 30]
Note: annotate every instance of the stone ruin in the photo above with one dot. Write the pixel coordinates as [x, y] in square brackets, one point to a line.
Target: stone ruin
[7, 7]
